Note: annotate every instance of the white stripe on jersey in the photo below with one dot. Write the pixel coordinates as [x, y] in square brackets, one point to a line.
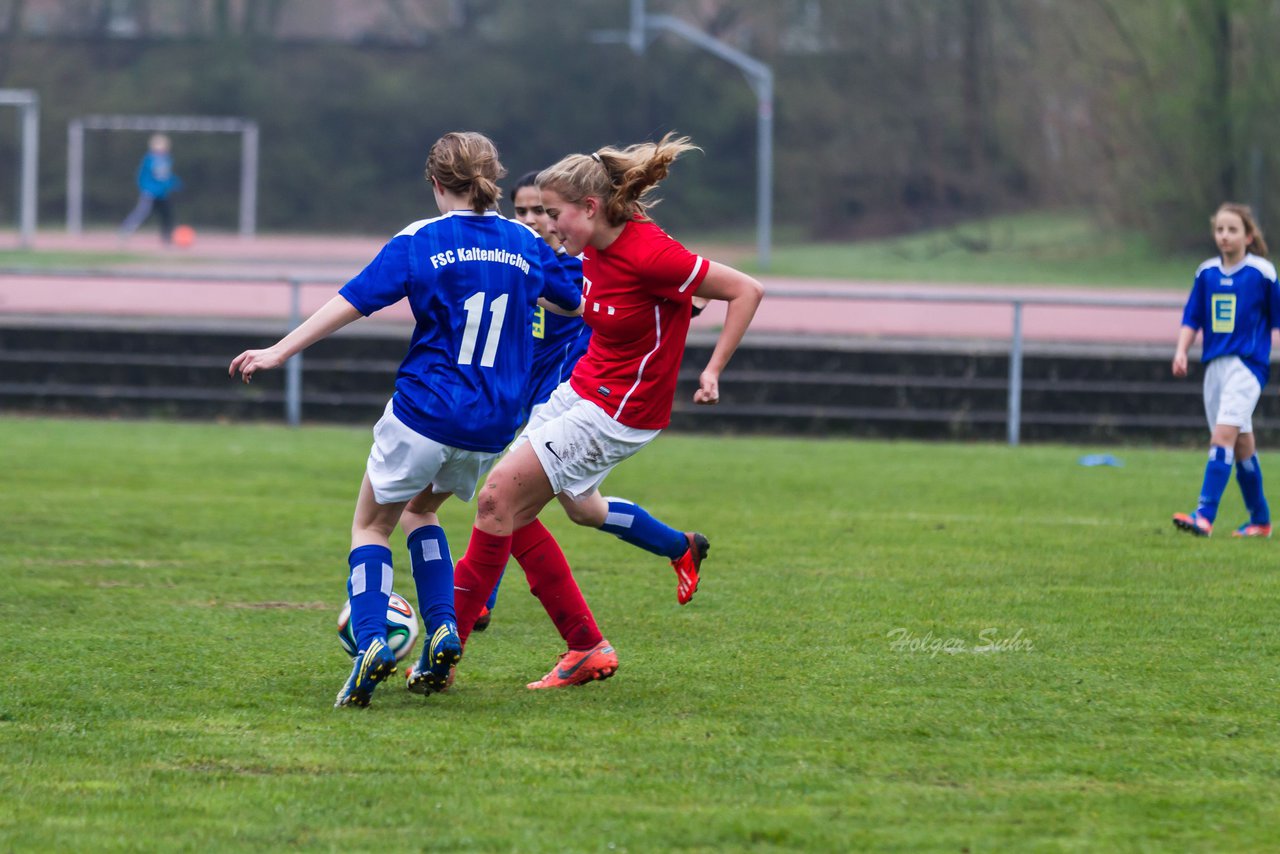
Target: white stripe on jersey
[657, 327]
[414, 227]
[697, 265]
[1262, 265]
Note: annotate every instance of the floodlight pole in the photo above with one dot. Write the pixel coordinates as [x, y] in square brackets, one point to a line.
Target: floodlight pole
[75, 176]
[759, 76]
[29, 102]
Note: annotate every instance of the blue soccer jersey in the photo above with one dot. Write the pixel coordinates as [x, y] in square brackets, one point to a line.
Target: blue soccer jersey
[472, 281]
[558, 341]
[1236, 309]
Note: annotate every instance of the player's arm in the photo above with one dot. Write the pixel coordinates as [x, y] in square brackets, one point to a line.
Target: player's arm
[1186, 335]
[561, 293]
[556, 309]
[331, 317]
[742, 293]
[1192, 321]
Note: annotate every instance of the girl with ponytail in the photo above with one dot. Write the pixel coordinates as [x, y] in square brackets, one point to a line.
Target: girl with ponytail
[472, 279]
[639, 284]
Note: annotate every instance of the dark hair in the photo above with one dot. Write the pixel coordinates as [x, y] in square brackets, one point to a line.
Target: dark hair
[621, 178]
[528, 179]
[1259, 245]
[467, 163]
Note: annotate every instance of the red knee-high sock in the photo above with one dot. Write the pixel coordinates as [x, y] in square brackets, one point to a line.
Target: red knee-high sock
[551, 580]
[475, 575]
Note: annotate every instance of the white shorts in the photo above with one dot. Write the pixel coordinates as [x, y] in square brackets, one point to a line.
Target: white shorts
[577, 443]
[1231, 393]
[403, 462]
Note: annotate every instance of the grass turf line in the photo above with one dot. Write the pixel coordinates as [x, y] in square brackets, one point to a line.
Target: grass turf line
[170, 592]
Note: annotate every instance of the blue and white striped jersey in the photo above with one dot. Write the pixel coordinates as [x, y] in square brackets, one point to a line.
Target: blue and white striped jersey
[1236, 308]
[472, 281]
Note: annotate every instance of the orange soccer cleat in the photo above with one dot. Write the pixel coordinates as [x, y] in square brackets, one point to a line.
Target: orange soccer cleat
[1193, 523]
[577, 667]
[1249, 529]
[687, 566]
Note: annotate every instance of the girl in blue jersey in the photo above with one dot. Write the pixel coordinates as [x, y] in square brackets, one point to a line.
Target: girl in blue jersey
[558, 342]
[1236, 302]
[472, 279]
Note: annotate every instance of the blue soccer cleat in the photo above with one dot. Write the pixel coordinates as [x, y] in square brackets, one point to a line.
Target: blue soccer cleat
[370, 667]
[434, 671]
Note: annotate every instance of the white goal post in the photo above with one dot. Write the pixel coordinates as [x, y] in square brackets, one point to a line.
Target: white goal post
[29, 103]
[248, 131]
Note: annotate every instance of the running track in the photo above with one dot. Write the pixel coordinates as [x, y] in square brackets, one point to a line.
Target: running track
[331, 260]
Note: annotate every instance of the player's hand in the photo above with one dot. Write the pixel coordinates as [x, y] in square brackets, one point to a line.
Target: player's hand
[708, 392]
[250, 362]
[1179, 364]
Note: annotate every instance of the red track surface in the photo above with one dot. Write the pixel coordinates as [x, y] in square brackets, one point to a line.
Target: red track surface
[333, 259]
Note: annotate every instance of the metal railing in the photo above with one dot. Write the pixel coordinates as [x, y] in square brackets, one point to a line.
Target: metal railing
[295, 283]
[1016, 339]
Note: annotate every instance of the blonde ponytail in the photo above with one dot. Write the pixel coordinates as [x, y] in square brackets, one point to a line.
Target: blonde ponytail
[622, 179]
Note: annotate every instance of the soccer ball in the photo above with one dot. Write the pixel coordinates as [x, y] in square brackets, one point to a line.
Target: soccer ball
[402, 627]
[184, 236]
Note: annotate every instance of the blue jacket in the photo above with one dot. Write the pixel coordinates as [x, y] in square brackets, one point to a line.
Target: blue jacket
[155, 175]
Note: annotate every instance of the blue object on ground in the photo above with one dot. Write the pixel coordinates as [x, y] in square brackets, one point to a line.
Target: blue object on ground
[1100, 460]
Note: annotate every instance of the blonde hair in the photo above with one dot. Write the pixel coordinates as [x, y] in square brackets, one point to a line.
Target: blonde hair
[466, 163]
[621, 178]
[1259, 245]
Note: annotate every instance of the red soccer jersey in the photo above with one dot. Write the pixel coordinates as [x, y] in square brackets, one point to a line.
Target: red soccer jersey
[638, 294]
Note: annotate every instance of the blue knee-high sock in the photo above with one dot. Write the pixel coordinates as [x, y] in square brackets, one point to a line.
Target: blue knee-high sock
[433, 575]
[1249, 476]
[631, 523]
[369, 588]
[1217, 472]
[493, 597]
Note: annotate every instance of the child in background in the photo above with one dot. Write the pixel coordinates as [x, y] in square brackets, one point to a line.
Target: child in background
[1236, 302]
[156, 182]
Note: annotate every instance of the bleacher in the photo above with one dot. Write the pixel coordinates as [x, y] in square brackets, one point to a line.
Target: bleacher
[776, 384]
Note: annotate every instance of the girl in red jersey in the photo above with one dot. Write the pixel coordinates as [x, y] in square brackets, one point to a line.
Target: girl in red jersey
[638, 285]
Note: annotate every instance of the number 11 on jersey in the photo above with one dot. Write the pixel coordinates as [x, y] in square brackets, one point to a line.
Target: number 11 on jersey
[474, 307]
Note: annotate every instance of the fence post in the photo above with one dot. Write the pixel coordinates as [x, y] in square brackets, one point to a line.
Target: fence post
[75, 176]
[293, 368]
[1015, 375]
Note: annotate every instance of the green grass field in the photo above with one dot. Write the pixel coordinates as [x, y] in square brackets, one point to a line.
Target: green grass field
[44, 259]
[1029, 249]
[169, 593]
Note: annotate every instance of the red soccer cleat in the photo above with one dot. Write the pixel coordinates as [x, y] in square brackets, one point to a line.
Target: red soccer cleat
[1248, 529]
[577, 667]
[687, 566]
